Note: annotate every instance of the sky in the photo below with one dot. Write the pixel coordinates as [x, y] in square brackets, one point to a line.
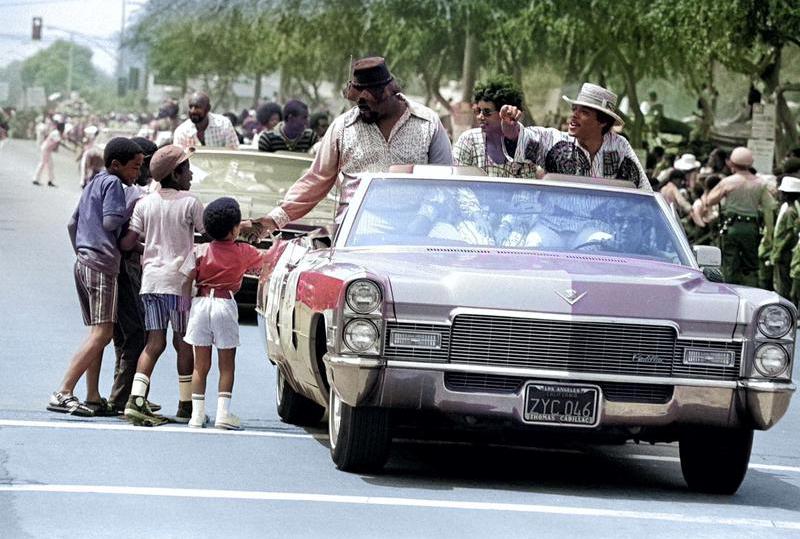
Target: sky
[96, 24]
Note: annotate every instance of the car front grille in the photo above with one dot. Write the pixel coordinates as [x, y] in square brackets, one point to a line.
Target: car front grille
[572, 346]
[470, 382]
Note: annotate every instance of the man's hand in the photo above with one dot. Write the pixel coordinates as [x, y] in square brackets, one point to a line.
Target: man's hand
[255, 230]
[509, 116]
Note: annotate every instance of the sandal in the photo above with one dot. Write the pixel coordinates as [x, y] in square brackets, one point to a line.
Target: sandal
[68, 404]
[101, 408]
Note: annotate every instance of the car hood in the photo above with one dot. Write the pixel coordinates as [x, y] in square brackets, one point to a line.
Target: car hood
[428, 284]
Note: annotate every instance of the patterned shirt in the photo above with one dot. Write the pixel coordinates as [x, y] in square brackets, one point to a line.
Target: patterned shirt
[560, 153]
[276, 140]
[219, 133]
[351, 146]
[470, 150]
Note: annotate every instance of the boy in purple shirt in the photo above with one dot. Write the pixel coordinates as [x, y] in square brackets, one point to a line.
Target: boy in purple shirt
[94, 231]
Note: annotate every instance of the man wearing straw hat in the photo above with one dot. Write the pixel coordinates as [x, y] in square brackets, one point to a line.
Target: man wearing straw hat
[589, 148]
[745, 196]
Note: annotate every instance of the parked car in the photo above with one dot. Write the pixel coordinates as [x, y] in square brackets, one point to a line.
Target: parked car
[567, 307]
[258, 181]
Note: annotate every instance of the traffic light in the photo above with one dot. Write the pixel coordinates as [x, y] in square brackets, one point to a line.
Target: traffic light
[36, 29]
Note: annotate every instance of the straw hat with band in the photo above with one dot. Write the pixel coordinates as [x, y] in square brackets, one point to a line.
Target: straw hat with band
[598, 98]
[687, 162]
[790, 184]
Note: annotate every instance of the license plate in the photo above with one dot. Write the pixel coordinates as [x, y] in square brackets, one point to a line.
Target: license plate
[564, 405]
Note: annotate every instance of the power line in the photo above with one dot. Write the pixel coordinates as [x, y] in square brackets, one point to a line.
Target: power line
[36, 3]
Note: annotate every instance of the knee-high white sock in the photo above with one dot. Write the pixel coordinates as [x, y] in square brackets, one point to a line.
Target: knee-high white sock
[185, 387]
[198, 408]
[141, 383]
[223, 404]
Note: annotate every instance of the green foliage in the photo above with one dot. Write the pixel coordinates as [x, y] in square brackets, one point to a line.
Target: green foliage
[49, 68]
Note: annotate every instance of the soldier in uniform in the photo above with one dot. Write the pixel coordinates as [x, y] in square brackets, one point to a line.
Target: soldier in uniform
[743, 196]
[784, 241]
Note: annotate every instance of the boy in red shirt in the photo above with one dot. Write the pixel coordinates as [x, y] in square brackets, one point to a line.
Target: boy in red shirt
[214, 317]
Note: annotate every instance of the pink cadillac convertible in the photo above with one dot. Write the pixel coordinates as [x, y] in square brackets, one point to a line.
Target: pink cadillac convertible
[565, 307]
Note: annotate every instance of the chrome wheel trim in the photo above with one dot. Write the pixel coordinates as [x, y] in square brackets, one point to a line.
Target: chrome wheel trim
[334, 418]
[279, 382]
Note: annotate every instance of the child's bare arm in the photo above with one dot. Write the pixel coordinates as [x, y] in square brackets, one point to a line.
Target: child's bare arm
[130, 242]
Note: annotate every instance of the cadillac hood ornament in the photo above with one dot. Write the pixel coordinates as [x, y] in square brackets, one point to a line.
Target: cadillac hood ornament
[570, 296]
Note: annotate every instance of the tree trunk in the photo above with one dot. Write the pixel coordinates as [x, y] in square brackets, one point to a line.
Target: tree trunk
[469, 68]
[284, 86]
[257, 91]
[786, 126]
[633, 100]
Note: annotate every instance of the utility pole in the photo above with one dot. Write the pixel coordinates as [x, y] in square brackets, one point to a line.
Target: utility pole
[69, 65]
[120, 63]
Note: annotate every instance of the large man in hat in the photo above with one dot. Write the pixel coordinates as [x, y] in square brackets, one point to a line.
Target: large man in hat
[589, 148]
[383, 129]
[744, 197]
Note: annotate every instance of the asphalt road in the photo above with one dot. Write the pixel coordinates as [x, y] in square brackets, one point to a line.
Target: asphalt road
[68, 477]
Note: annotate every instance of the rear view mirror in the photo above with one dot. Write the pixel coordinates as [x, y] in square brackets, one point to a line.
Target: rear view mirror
[708, 256]
[709, 259]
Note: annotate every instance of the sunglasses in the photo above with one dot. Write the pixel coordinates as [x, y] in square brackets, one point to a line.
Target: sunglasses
[486, 112]
[351, 91]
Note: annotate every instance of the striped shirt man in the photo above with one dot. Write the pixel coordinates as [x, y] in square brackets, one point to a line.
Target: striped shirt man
[276, 140]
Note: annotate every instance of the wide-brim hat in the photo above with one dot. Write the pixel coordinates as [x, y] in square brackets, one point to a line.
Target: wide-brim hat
[370, 72]
[598, 98]
[687, 162]
[790, 184]
[166, 159]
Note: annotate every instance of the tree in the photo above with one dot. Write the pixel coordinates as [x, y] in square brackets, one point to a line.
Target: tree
[49, 68]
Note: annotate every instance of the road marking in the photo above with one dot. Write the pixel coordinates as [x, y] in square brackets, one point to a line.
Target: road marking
[400, 502]
[754, 465]
[78, 424]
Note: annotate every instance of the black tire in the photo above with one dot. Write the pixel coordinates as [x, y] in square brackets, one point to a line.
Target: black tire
[715, 460]
[293, 407]
[360, 442]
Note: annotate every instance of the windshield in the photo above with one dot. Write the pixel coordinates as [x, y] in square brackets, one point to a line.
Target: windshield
[419, 212]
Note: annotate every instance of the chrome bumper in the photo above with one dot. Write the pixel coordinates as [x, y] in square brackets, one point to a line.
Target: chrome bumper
[414, 385]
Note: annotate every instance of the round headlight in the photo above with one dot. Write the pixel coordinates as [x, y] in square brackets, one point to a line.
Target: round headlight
[360, 335]
[363, 296]
[774, 321]
[771, 360]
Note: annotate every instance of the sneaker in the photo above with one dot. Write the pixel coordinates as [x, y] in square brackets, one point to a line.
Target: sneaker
[51, 184]
[153, 406]
[228, 422]
[184, 413]
[199, 424]
[68, 404]
[37, 182]
[139, 413]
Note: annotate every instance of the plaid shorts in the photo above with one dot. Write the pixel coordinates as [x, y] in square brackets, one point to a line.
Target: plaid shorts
[97, 294]
[161, 310]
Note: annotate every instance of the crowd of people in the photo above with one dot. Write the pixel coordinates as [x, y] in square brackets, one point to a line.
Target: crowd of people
[136, 261]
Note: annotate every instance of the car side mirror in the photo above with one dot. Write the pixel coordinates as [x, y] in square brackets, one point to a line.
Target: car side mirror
[709, 259]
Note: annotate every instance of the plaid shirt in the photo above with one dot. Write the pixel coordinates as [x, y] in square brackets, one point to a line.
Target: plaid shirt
[470, 150]
[560, 153]
[219, 133]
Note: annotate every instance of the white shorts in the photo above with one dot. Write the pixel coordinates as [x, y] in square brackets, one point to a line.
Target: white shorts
[213, 322]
